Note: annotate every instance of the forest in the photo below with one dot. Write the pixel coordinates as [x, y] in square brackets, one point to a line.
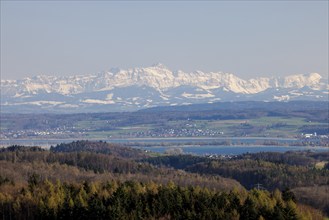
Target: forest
[99, 180]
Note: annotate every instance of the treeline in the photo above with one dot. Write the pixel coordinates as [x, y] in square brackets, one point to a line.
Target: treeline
[134, 200]
[97, 156]
[297, 158]
[267, 170]
[79, 161]
[28, 175]
[270, 175]
[99, 147]
[271, 169]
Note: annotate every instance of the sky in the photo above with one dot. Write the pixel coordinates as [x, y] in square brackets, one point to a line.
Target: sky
[247, 38]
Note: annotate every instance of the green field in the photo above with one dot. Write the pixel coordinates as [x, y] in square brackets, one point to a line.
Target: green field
[257, 127]
[282, 122]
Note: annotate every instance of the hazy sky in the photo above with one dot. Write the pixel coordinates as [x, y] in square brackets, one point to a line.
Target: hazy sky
[248, 38]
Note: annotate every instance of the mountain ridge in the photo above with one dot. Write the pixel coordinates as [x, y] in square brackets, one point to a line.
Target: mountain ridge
[138, 88]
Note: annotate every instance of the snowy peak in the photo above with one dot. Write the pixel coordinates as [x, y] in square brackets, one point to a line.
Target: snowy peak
[156, 85]
[301, 80]
[160, 78]
[159, 66]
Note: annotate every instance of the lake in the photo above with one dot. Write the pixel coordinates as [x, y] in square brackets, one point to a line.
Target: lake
[230, 150]
[184, 140]
[188, 145]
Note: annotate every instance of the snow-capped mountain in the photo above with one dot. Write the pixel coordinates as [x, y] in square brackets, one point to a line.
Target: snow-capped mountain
[136, 88]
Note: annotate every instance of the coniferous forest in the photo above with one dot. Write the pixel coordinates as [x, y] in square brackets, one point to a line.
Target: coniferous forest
[98, 180]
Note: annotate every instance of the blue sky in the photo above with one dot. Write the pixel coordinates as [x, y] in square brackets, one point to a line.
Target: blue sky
[248, 38]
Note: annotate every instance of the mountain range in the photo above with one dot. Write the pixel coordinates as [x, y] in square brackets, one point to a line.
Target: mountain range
[140, 88]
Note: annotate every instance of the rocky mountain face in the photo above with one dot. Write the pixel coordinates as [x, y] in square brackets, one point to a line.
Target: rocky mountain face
[138, 88]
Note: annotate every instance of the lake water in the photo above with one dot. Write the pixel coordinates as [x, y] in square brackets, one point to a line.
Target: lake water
[231, 150]
[233, 140]
[188, 145]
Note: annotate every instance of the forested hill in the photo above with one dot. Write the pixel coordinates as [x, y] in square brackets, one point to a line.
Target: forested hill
[85, 179]
[65, 164]
[133, 200]
[116, 150]
[304, 173]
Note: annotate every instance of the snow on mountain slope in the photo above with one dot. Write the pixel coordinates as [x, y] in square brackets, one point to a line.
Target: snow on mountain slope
[300, 81]
[137, 88]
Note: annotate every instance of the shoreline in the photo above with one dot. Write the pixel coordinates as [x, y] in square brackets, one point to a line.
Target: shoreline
[157, 138]
[174, 142]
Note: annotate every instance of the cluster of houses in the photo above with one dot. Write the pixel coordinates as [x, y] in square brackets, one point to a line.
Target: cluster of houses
[314, 136]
